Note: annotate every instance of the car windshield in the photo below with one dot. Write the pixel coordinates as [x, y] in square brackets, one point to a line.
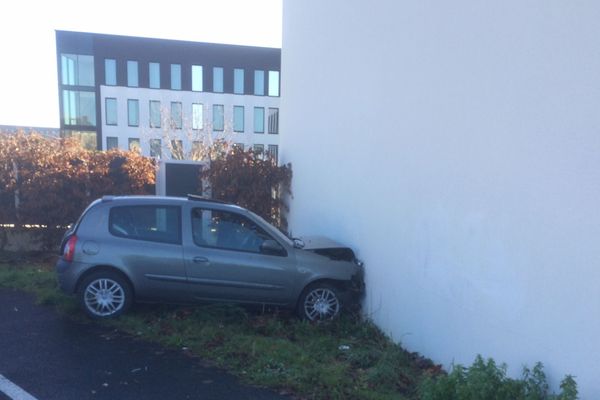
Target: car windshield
[276, 232]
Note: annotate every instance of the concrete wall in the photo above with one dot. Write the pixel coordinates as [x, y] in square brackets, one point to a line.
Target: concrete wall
[456, 146]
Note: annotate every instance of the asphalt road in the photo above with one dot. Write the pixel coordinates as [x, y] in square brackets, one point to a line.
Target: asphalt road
[52, 357]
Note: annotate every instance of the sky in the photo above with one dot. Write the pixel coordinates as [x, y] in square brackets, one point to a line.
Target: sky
[28, 76]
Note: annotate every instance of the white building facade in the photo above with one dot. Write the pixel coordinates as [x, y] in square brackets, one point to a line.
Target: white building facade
[455, 146]
[163, 97]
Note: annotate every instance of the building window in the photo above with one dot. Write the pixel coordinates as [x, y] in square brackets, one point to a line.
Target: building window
[197, 151]
[259, 83]
[133, 112]
[197, 78]
[274, 120]
[239, 146]
[218, 79]
[259, 120]
[112, 142]
[238, 81]
[79, 108]
[238, 118]
[259, 149]
[176, 76]
[154, 75]
[134, 145]
[218, 117]
[177, 150]
[77, 69]
[273, 152]
[176, 115]
[155, 148]
[273, 83]
[155, 114]
[197, 116]
[132, 73]
[110, 72]
[110, 109]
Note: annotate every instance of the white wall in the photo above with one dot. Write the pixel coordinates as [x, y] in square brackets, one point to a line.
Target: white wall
[456, 146]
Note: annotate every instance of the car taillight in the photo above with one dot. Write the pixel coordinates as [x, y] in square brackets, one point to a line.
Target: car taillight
[70, 249]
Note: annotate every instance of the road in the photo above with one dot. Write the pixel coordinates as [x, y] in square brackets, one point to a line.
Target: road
[50, 357]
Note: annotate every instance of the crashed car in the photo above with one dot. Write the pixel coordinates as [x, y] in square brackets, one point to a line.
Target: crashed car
[181, 250]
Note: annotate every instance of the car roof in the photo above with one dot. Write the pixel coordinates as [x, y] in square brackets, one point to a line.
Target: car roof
[143, 199]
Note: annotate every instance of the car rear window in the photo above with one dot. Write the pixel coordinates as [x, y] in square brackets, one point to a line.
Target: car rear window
[155, 223]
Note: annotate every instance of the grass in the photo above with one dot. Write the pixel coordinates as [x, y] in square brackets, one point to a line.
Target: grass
[345, 359]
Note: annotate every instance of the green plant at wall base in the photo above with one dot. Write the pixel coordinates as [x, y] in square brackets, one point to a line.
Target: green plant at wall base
[485, 380]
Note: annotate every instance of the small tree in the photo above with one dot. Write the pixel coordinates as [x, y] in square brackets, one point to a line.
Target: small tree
[246, 179]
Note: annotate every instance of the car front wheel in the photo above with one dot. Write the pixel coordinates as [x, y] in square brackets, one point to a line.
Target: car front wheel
[319, 301]
[105, 294]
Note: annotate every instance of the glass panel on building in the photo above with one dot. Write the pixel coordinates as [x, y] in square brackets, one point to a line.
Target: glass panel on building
[132, 73]
[197, 151]
[218, 117]
[259, 149]
[110, 72]
[79, 108]
[239, 146]
[274, 120]
[77, 69]
[238, 81]
[154, 75]
[259, 120]
[273, 83]
[112, 142]
[155, 114]
[87, 139]
[238, 118]
[218, 79]
[273, 152]
[155, 148]
[197, 116]
[259, 83]
[133, 112]
[177, 150]
[176, 115]
[197, 83]
[110, 105]
[176, 76]
[134, 145]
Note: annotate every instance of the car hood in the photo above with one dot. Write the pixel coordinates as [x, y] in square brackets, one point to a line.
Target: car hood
[328, 247]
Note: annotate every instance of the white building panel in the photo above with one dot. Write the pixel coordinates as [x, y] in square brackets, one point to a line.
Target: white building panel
[456, 146]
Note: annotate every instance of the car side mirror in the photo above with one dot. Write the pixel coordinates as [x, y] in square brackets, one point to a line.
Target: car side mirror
[272, 248]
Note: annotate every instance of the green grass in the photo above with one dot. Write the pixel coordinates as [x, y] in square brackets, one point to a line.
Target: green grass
[271, 349]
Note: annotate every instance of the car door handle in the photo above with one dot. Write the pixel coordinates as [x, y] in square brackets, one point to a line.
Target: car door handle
[200, 260]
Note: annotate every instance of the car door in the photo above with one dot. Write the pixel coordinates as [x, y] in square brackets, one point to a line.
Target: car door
[146, 240]
[224, 261]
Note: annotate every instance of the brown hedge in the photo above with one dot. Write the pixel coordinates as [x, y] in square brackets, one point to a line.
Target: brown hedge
[50, 181]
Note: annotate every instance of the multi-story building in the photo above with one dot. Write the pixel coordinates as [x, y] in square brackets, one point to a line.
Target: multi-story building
[166, 98]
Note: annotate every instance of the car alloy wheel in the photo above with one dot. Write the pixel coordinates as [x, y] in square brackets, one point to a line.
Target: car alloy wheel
[105, 295]
[320, 302]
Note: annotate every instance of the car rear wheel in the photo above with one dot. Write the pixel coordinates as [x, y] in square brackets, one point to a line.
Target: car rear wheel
[105, 294]
[318, 302]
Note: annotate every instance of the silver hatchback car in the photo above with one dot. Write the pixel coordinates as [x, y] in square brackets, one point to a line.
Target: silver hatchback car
[182, 250]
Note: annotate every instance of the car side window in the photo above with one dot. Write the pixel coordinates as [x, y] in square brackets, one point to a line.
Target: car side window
[153, 223]
[227, 230]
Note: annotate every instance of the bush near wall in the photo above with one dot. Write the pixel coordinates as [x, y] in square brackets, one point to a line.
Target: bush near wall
[49, 181]
[245, 178]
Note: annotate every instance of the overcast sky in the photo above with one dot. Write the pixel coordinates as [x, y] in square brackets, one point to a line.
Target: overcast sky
[28, 85]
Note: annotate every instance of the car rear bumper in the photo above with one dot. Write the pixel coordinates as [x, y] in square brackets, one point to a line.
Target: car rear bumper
[67, 279]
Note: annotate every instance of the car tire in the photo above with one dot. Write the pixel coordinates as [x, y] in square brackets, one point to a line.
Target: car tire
[105, 294]
[319, 301]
